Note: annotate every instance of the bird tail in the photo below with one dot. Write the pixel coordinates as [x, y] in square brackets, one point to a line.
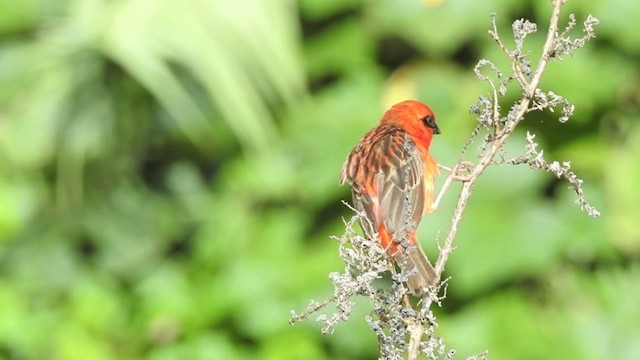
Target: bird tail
[424, 275]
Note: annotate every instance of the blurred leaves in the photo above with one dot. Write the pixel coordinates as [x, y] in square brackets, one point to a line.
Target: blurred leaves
[622, 225]
[428, 26]
[168, 177]
[236, 60]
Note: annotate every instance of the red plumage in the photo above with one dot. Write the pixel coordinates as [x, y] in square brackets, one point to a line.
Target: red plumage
[391, 174]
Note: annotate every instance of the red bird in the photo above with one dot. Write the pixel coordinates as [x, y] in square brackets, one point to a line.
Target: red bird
[391, 174]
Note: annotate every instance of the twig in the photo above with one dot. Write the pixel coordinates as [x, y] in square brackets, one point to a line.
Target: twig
[416, 330]
[499, 139]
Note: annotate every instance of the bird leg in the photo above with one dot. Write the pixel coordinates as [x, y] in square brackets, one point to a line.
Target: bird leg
[456, 172]
[454, 175]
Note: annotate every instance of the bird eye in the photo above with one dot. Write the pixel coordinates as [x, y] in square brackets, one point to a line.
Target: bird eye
[430, 121]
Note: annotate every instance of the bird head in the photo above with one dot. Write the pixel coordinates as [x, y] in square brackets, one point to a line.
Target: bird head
[414, 117]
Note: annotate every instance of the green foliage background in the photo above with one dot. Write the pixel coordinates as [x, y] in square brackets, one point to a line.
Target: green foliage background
[168, 177]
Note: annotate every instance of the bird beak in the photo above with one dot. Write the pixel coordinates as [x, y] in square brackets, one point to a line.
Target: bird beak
[436, 130]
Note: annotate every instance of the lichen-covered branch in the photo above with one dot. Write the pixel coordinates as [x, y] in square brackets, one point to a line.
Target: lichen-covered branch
[533, 98]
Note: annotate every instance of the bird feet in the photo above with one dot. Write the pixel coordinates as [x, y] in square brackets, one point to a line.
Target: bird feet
[460, 172]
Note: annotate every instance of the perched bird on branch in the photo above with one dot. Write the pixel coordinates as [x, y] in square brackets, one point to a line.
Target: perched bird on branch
[392, 175]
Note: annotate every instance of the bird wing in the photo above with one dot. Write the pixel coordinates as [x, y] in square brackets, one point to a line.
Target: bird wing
[386, 172]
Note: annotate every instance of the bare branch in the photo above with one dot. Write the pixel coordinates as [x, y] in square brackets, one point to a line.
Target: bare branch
[530, 89]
